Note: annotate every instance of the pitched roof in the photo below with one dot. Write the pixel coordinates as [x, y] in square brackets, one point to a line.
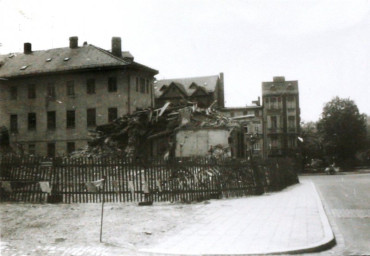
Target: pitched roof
[209, 83]
[62, 59]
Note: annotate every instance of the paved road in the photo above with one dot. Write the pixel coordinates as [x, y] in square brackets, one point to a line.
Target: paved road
[346, 199]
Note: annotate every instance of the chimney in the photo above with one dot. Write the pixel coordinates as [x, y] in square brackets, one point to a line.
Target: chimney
[73, 42]
[116, 46]
[280, 79]
[221, 95]
[27, 48]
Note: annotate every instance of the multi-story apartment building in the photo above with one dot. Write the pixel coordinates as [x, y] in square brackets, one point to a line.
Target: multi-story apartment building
[50, 99]
[281, 117]
[203, 90]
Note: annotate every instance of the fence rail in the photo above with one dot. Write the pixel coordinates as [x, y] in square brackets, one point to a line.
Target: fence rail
[134, 180]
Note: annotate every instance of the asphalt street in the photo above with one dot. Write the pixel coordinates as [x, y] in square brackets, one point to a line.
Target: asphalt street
[346, 199]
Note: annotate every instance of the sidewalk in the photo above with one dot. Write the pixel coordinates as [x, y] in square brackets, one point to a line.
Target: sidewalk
[292, 220]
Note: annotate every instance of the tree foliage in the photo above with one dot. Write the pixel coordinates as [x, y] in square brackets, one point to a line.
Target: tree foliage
[311, 145]
[342, 129]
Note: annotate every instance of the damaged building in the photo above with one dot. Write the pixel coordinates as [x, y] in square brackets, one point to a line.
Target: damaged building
[50, 99]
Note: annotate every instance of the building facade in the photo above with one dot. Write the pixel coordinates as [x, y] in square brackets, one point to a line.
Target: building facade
[251, 120]
[49, 100]
[281, 117]
[204, 91]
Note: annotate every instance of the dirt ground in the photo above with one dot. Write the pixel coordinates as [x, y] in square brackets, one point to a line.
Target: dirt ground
[27, 229]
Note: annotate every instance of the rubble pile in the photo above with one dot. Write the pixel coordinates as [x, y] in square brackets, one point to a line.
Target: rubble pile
[128, 135]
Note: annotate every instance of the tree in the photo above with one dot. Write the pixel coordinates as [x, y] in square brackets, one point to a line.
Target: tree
[311, 146]
[342, 129]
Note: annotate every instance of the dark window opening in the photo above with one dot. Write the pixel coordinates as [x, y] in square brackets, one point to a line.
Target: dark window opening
[51, 149]
[13, 93]
[31, 121]
[51, 120]
[71, 119]
[137, 84]
[70, 147]
[147, 86]
[112, 84]
[91, 117]
[13, 123]
[273, 122]
[90, 86]
[70, 88]
[142, 85]
[31, 91]
[112, 114]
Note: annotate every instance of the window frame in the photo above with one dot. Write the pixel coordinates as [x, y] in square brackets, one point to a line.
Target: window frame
[51, 123]
[31, 121]
[13, 126]
[90, 121]
[112, 84]
[70, 119]
[90, 86]
[70, 88]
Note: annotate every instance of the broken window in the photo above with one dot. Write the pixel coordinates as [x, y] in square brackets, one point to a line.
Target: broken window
[70, 147]
[112, 84]
[112, 114]
[90, 86]
[31, 91]
[70, 88]
[91, 117]
[13, 123]
[31, 121]
[71, 119]
[13, 93]
[51, 120]
[51, 149]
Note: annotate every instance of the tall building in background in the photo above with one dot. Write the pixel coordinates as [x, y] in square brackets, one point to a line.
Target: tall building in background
[281, 117]
[50, 99]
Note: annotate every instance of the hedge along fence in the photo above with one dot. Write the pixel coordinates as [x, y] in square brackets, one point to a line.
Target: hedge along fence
[134, 180]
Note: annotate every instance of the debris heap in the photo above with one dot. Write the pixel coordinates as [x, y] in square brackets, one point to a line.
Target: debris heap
[130, 134]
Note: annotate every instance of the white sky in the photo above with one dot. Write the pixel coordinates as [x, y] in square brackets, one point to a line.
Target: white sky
[325, 45]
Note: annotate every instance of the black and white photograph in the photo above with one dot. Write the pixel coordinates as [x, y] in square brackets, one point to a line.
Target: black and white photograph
[184, 127]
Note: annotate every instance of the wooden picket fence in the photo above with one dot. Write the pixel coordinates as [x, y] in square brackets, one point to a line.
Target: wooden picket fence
[135, 180]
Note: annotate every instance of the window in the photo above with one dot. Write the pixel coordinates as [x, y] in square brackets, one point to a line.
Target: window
[70, 147]
[31, 149]
[31, 91]
[112, 84]
[31, 121]
[90, 86]
[13, 123]
[147, 86]
[256, 113]
[71, 119]
[112, 114]
[91, 117]
[291, 122]
[273, 103]
[256, 146]
[137, 84]
[51, 91]
[51, 120]
[13, 93]
[292, 142]
[142, 85]
[257, 128]
[273, 122]
[70, 88]
[51, 149]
